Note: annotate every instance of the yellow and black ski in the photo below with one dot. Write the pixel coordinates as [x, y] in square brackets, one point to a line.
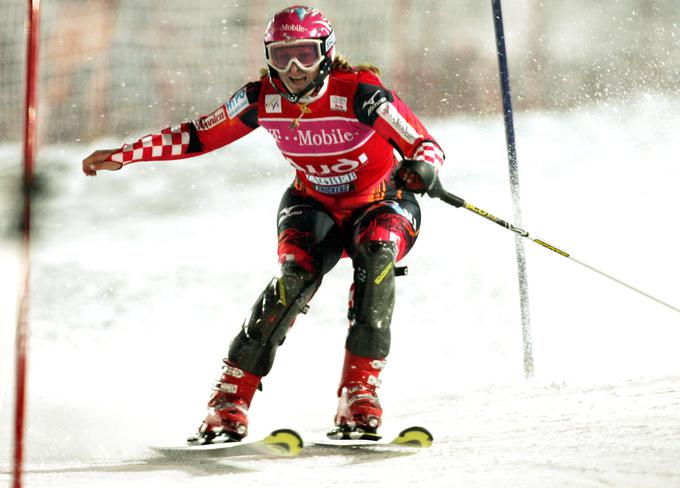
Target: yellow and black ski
[288, 443]
[415, 437]
[279, 443]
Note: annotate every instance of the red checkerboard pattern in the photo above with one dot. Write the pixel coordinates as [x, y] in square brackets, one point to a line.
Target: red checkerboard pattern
[431, 153]
[171, 143]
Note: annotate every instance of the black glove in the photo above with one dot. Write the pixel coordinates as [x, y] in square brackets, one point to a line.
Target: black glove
[415, 176]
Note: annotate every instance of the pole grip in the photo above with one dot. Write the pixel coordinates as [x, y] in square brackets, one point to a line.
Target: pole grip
[438, 191]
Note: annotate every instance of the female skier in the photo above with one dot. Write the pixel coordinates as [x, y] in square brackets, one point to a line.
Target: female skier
[340, 128]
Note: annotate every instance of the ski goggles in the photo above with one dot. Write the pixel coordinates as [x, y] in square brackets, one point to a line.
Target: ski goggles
[306, 54]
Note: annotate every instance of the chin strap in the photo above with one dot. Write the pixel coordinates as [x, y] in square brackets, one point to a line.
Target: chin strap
[324, 71]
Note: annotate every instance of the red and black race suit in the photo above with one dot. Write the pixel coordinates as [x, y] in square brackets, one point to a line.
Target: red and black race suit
[341, 143]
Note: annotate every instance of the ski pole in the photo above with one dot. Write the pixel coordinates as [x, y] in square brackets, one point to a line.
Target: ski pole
[438, 191]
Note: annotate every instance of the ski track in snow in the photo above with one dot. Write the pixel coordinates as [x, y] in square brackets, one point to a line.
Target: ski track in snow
[139, 285]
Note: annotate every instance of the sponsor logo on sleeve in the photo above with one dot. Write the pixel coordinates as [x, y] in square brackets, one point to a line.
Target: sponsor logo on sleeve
[376, 100]
[237, 103]
[272, 104]
[210, 121]
[338, 104]
[392, 116]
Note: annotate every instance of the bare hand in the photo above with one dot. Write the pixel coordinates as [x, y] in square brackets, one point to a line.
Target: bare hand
[97, 160]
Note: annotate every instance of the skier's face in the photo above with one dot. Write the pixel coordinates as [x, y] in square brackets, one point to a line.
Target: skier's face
[296, 78]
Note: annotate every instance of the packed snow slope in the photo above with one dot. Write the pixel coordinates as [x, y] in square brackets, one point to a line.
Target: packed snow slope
[140, 278]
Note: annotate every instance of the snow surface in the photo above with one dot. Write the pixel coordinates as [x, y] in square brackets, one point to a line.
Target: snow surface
[141, 278]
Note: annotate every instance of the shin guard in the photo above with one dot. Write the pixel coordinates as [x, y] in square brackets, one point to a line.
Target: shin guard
[373, 300]
[274, 312]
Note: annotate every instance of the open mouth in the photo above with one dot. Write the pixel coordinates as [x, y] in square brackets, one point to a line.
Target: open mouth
[298, 80]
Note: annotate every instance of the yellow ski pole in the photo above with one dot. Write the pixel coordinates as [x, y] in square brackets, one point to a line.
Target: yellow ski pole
[437, 191]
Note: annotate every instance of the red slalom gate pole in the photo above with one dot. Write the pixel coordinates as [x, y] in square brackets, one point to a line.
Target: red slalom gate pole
[22, 332]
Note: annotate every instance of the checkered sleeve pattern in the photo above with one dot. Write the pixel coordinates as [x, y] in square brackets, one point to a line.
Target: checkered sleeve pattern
[170, 143]
[430, 152]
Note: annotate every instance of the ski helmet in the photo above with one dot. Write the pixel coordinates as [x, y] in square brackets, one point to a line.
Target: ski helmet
[300, 35]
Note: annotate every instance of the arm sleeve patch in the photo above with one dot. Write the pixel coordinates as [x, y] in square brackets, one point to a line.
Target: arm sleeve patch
[209, 121]
[238, 103]
[367, 100]
[398, 123]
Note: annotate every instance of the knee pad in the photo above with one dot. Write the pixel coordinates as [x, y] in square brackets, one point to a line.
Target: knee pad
[373, 300]
[275, 310]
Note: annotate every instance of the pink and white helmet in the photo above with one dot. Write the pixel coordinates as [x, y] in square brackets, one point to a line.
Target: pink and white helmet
[302, 35]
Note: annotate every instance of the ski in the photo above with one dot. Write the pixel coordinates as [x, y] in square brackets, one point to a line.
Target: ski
[288, 443]
[411, 438]
[279, 443]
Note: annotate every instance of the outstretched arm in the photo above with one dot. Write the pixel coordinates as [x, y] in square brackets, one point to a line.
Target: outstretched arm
[229, 122]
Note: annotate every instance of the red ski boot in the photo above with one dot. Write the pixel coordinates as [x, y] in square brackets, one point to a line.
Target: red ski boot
[227, 419]
[359, 412]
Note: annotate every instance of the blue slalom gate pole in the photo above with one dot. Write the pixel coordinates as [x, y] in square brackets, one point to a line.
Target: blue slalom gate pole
[514, 185]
